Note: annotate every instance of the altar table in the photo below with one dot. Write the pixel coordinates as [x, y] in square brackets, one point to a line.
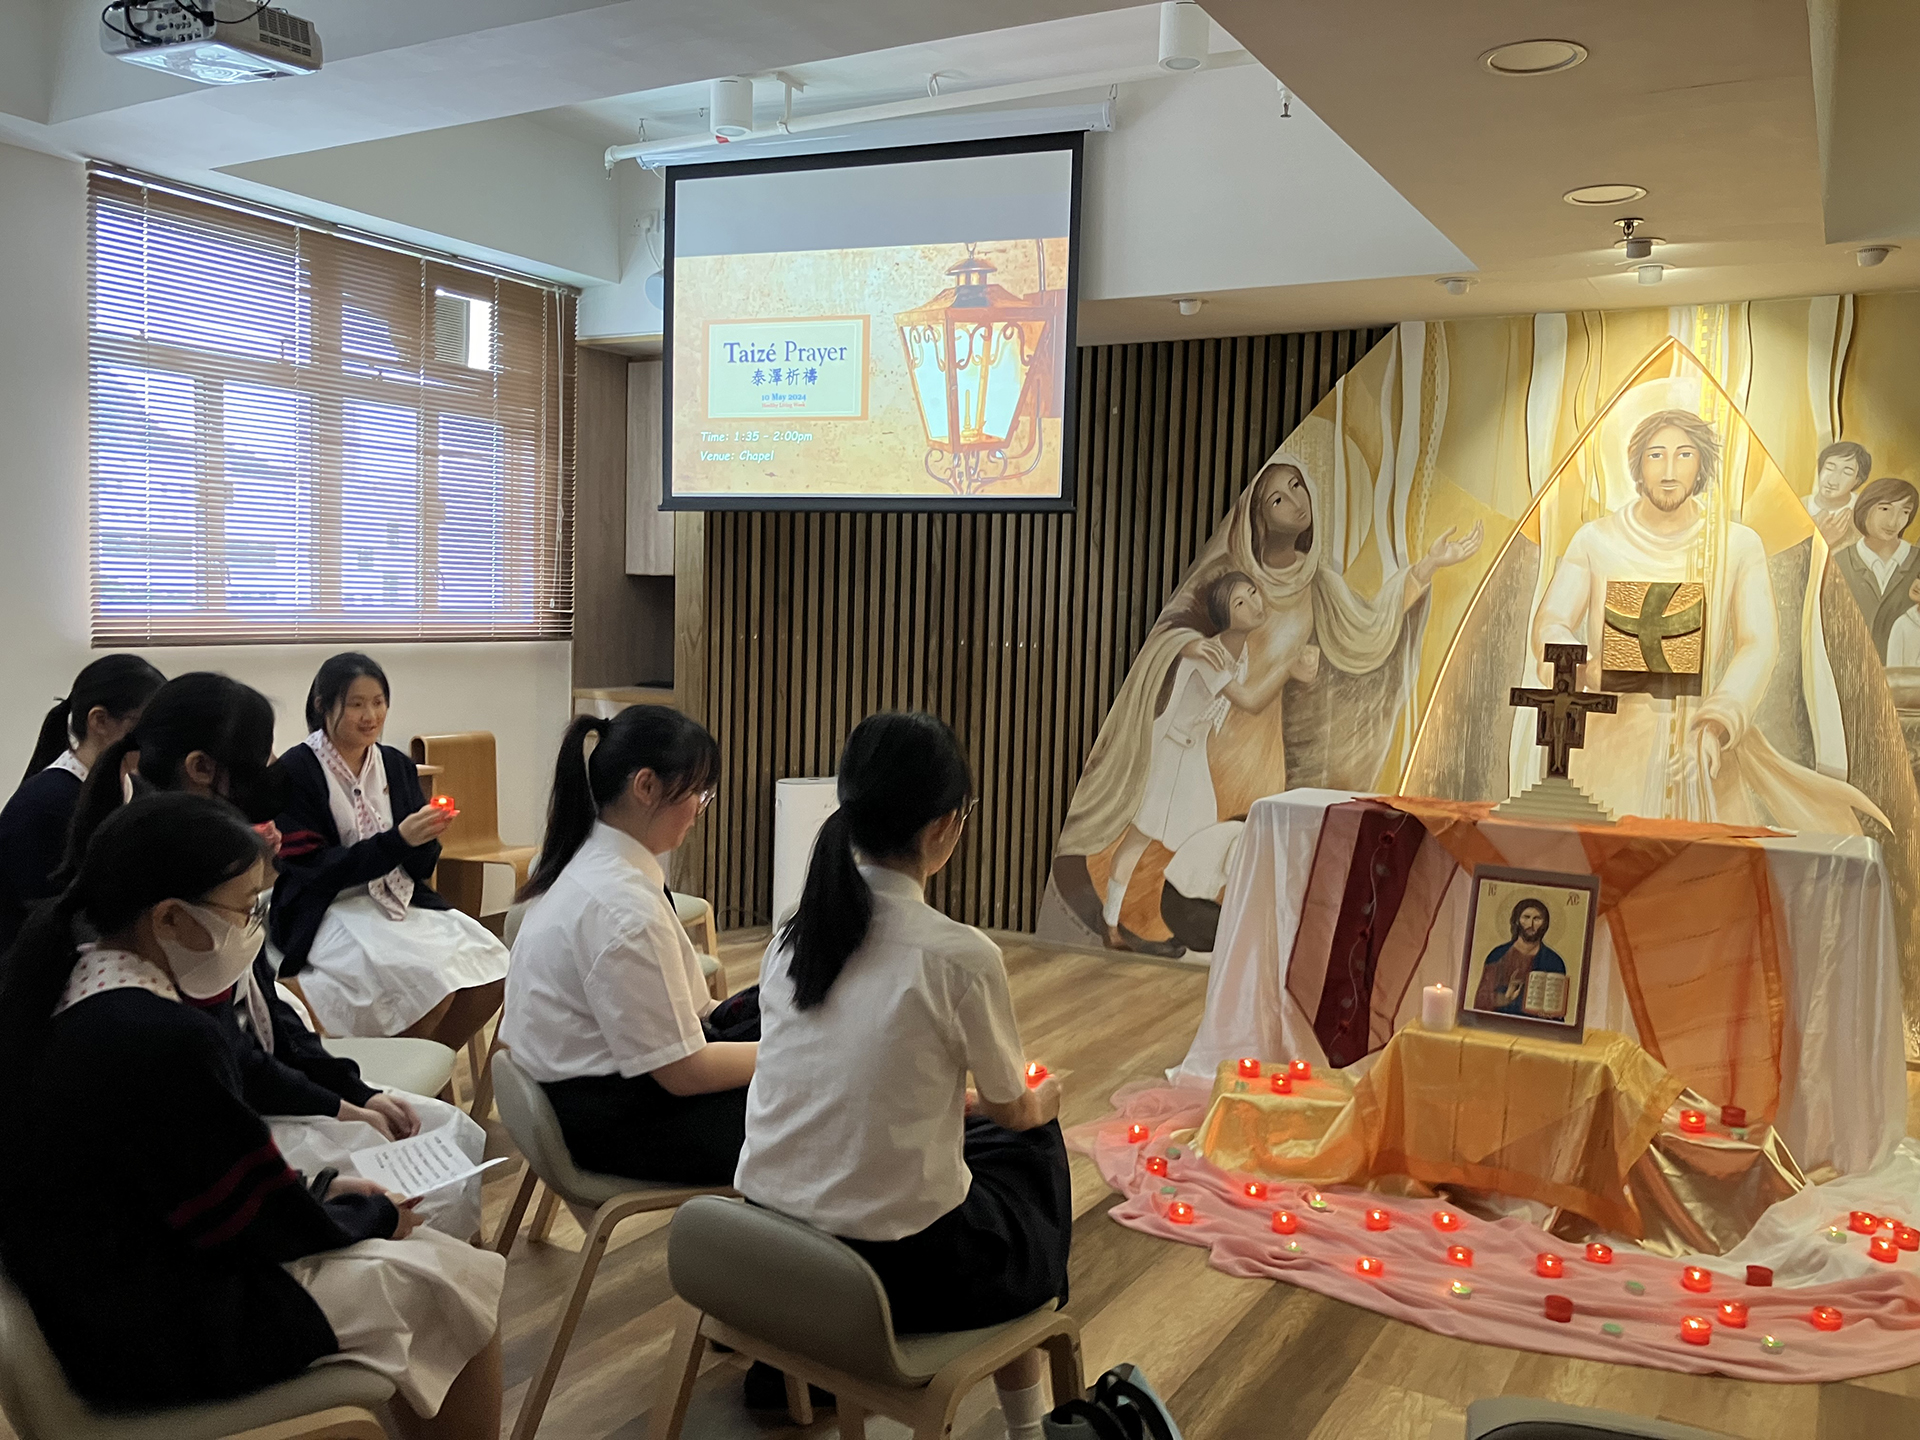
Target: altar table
[1843, 1060]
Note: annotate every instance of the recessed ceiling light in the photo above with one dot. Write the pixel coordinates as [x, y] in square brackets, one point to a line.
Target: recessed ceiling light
[1650, 274]
[1454, 284]
[1870, 255]
[1534, 57]
[1605, 194]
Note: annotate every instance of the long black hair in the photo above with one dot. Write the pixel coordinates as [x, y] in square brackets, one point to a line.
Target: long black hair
[641, 737]
[332, 681]
[155, 848]
[901, 770]
[118, 684]
[231, 723]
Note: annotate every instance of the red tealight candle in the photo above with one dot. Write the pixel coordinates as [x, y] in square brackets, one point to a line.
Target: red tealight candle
[1559, 1308]
[1733, 1314]
[1759, 1275]
[1697, 1280]
[442, 802]
[1547, 1265]
[1156, 1164]
[1249, 1069]
[1256, 1190]
[1180, 1213]
[1906, 1237]
[1445, 1220]
[1379, 1220]
[1138, 1134]
[1693, 1122]
[1862, 1222]
[1036, 1073]
[1600, 1254]
[1696, 1330]
[1282, 1084]
[1284, 1223]
[1460, 1255]
[1825, 1317]
[1300, 1070]
[1370, 1267]
[1881, 1247]
[1733, 1117]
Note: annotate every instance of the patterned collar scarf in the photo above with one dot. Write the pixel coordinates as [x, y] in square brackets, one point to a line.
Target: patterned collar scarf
[362, 809]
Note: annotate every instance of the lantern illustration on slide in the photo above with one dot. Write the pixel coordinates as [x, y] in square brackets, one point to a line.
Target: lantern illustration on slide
[982, 361]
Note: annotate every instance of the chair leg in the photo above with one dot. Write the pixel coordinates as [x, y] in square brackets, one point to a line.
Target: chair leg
[799, 1401]
[682, 1369]
[482, 1063]
[543, 1217]
[853, 1421]
[541, 1390]
[510, 1227]
[1063, 1358]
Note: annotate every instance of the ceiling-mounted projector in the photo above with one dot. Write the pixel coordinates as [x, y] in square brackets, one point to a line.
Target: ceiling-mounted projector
[191, 41]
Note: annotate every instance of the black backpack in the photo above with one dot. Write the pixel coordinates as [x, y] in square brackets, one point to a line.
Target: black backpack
[1121, 1405]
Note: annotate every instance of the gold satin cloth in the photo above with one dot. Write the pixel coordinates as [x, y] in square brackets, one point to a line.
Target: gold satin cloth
[1474, 1109]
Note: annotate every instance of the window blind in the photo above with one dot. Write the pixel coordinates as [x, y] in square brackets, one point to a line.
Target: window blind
[302, 436]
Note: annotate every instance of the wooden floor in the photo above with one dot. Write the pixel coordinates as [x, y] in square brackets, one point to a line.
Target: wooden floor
[1237, 1359]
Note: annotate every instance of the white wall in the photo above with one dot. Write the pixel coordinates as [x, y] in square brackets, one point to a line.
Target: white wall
[521, 692]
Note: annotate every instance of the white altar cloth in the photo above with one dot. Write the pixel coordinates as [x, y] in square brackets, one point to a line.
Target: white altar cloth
[1843, 1067]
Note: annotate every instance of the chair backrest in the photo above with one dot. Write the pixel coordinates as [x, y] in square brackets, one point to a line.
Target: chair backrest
[469, 774]
[529, 1118]
[786, 1283]
[33, 1388]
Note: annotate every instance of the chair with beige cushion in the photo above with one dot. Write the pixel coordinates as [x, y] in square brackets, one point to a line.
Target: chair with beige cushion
[781, 1292]
[696, 918]
[598, 1202]
[329, 1402]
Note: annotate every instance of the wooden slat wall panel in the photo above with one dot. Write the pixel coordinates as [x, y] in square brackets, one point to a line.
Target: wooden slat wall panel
[1017, 629]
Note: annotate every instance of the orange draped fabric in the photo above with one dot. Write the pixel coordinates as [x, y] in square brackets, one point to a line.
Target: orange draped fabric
[1692, 915]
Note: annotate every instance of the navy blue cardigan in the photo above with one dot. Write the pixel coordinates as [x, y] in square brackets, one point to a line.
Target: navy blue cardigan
[315, 867]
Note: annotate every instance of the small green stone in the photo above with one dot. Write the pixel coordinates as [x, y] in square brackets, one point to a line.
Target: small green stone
[1169, 1189]
[1836, 1236]
[1610, 1328]
[1292, 1247]
[1173, 1152]
[1634, 1287]
[1773, 1345]
[1460, 1290]
[1738, 1134]
[1240, 1087]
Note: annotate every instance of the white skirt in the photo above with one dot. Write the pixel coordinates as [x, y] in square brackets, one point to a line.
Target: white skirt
[311, 1143]
[415, 1310]
[371, 975]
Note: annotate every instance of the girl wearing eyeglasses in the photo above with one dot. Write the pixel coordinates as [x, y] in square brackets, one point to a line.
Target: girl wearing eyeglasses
[607, 1003]
[166, 1249]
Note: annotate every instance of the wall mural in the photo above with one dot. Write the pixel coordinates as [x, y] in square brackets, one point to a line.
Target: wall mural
[1458, 503]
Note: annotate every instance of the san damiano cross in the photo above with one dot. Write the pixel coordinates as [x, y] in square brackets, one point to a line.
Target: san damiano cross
[1563, 710]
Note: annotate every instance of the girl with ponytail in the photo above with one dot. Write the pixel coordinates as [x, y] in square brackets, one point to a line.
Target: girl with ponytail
[168, 1252]
[105, 701]
[874, 1009]
[607, 1004]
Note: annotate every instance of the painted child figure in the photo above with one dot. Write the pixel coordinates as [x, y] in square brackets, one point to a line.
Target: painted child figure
[1210, 677]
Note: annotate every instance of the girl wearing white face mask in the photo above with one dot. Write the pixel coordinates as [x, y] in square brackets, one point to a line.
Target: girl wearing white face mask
[170, 1254]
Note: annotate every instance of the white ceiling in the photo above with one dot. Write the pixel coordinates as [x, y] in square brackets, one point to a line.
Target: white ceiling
[478, 124]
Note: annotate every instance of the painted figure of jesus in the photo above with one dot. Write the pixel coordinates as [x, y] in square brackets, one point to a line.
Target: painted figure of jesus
[1507, 973]
[1691, 758]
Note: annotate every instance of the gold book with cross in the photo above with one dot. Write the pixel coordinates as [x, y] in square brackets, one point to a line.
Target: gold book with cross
[1655, 637]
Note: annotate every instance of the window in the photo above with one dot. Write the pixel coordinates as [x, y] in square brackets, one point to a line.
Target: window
[299, 435]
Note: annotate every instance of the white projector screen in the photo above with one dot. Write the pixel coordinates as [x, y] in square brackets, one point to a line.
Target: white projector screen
[887, 329]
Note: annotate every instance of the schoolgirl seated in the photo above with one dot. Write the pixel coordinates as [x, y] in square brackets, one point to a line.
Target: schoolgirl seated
[207, 734]
[377, 952]
[874, 1008]
[607, 1007]
[167, 1250]
[105, 700]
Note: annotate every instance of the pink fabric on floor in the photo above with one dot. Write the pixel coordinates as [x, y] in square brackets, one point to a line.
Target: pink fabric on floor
[1880, 1306]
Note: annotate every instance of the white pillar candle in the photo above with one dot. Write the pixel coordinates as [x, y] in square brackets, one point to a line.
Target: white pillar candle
[1436, 1007]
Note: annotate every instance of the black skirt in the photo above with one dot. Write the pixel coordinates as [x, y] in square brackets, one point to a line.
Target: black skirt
[636, 1127]
[999, 1254]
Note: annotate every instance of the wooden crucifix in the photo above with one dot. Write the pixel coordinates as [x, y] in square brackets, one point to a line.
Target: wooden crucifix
[1563, 710]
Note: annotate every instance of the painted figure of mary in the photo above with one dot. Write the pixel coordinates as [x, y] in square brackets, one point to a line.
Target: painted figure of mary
[1327, 674]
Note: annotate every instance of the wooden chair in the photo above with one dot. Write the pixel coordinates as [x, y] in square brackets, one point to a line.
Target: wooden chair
[328, 1402]
[599, 1202]
[469, 773]
[696, 918]
[397, 1062]
[796, 1298]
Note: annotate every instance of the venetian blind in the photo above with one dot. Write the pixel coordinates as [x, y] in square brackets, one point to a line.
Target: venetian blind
[301, 435]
